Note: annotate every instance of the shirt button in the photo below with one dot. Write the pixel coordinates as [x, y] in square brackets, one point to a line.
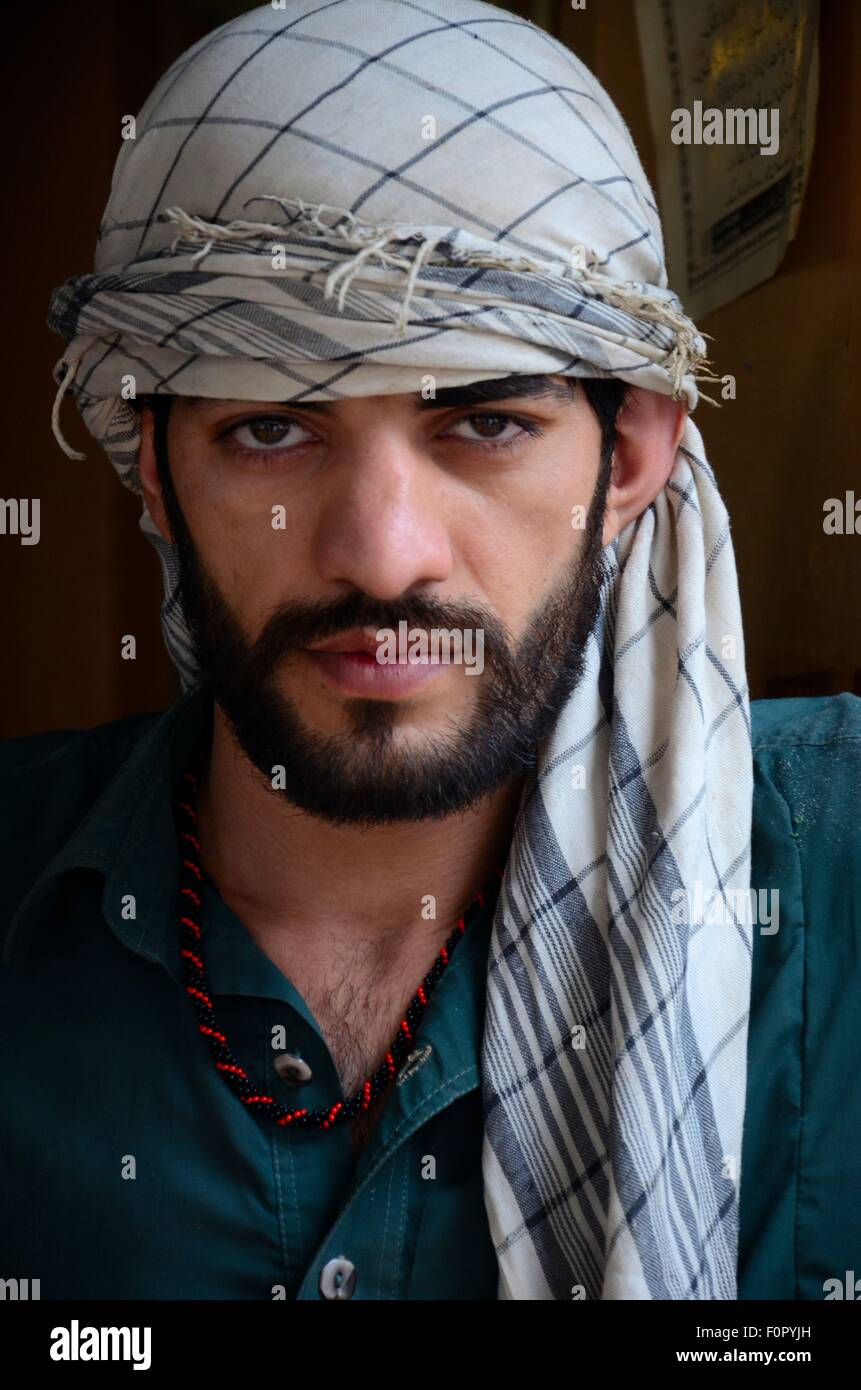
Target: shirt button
[338, 1278]
[292, 1069]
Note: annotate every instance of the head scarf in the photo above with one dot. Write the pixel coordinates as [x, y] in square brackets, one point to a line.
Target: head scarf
[342, 199]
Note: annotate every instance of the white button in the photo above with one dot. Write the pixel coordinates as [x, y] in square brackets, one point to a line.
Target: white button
[338, 1278]
[292, 1069]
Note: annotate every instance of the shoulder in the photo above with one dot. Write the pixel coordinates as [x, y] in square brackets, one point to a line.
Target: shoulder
[807, 778]
[48, 783]
[803, 1117]
[813, 722]
[75, 758]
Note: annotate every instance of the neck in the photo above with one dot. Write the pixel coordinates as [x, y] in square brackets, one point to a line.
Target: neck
[286, 873]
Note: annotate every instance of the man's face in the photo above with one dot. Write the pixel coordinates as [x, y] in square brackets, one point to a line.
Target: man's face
[297, 525]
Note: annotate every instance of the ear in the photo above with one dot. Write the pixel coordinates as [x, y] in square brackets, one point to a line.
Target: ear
[648, 429]
[148, 474]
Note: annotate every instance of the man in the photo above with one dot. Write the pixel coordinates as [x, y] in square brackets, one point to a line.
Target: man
[431, 978]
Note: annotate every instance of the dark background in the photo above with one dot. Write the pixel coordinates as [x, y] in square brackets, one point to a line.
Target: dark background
[789, 441]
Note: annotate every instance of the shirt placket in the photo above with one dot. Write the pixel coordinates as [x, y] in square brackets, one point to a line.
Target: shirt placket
[368, 1248]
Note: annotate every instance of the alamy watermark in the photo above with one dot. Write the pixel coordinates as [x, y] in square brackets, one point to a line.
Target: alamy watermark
[441, 646]
[734, 126]
[713, 907]
[76, 1343]
[15, 518]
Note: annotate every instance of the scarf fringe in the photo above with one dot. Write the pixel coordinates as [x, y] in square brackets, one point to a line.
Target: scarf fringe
[687, 357]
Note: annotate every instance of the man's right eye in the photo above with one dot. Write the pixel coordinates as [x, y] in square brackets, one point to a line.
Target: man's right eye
[264, 434]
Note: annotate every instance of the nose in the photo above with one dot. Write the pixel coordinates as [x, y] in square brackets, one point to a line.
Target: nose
[384, 525]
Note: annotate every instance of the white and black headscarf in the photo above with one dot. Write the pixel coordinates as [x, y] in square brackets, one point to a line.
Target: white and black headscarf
[341, 198]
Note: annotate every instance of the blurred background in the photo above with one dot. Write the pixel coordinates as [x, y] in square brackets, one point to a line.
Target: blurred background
[785, 445]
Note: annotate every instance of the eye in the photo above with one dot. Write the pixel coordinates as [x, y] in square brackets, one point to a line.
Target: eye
[262, 439]
[264, 435]
[497, 422]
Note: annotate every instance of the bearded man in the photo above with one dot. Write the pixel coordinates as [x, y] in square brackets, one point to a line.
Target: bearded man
[353, 975]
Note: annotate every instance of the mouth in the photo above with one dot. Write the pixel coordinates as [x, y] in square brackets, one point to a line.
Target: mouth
[349, 663]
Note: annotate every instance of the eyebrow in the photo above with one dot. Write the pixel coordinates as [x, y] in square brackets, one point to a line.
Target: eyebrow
[474, 393]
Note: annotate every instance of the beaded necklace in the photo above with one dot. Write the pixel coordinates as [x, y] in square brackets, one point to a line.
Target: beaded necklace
[192, 878]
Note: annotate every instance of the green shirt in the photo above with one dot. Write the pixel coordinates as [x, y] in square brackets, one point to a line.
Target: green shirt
[129, 1170]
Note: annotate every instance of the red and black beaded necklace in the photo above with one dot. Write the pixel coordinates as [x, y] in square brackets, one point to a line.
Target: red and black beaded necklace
[192, 878]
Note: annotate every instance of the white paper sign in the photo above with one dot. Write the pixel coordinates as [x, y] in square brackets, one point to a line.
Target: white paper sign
[732, 88]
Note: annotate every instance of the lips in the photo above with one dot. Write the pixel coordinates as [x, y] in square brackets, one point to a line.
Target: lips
[350, 662]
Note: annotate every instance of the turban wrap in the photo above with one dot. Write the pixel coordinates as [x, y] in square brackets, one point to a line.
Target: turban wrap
[340, 199]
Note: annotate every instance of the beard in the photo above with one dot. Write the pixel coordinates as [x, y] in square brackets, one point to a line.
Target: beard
[364, 776]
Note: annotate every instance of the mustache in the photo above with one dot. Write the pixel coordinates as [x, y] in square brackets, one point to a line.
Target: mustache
[296, 624]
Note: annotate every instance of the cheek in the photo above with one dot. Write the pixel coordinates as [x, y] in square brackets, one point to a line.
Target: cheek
[527, 540]
[248, 538]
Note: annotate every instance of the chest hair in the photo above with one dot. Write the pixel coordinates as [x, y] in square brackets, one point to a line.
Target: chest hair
[358, 1004]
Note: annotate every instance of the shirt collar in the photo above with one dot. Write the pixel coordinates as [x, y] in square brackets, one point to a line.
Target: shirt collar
[129, 836]
[130, 822]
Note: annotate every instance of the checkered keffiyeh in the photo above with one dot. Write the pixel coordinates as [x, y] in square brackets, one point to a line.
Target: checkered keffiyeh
[339, 199]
